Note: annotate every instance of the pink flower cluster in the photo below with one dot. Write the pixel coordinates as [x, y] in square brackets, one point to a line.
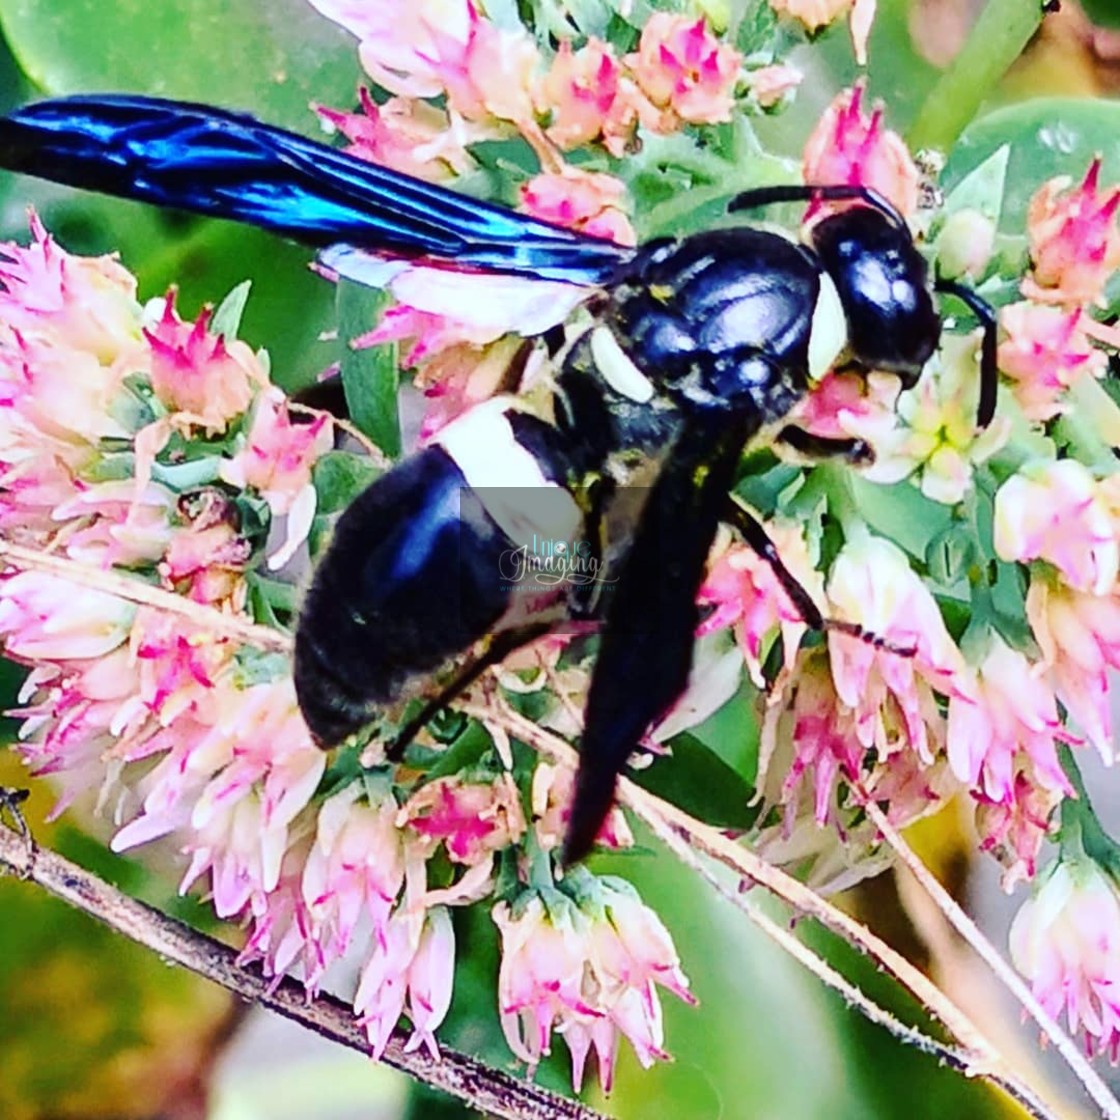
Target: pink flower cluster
[127, 440]
[587, 969]
[1074, 250]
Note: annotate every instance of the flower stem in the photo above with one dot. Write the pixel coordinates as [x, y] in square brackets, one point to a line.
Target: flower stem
[997, 39]
[488, 1090]
[964, 925]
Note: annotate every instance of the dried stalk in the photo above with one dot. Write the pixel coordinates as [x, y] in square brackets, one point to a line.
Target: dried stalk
[686, 836]
[967, 928]
[488, 1090]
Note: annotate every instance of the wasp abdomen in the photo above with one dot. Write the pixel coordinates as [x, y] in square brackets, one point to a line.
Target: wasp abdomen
[411, 578]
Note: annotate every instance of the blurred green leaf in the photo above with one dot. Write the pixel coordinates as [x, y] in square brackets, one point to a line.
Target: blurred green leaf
[1104, 13]
[369, 376]
[696, 780]
[270, 59]
[1047, 137]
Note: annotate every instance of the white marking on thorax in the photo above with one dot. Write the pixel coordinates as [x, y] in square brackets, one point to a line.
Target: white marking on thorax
[507, 478]
[828, 332]
[618, 371]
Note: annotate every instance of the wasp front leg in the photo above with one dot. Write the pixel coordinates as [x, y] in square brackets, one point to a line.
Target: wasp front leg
[756, 537]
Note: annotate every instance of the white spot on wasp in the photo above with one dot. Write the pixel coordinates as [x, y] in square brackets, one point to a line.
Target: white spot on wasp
[828, 333]
[507, 478]
[619, 372]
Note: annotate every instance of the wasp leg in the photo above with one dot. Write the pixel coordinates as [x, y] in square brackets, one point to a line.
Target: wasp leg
[500, 647]
[829, 192]
[10, 802]
[755, 536]
[646, 649]
[855, 451]
[989, 371]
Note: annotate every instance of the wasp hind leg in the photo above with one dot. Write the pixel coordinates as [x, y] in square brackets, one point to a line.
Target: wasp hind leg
[499, 648]
[755, 535]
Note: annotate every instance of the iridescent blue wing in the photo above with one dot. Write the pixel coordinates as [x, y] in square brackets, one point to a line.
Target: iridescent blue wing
[229, 165]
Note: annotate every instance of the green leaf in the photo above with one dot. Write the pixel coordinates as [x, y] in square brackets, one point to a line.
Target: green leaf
[271, 59]
[1047, 137]
[227, 318]
[1104, 13]
[339, 477]
[696, 780]
[982, 189]
[369, 376]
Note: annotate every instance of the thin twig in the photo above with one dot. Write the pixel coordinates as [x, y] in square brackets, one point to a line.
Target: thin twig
[491, 1091]
[954, 1057]
[1006, 975]
[685, 836]
[132, 590]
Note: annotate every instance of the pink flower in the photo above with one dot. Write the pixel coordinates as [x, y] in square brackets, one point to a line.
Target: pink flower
[581, 200]
[410, 973]
[541, 980]
[822, 731]
[746, 594]
[57, 399]
[355, 868]
[276, 459]
[1013, 829]
[1066, 942]
[472, 820]
[586, 97]
[401, 40]
[842, 404]
[43, 617]
[587, 971]
[1010, 719]
[1052, 511]
[871, 583]
[770, 84]
[460, 377]
[111, 524]
[207, 555]
[851, 148]
[815, 14]
[491, 74]
[177, 667]
[1074, 242]
[406, 135]
[197, 373]
[83, 304]
[685, 71]
[426, 334]
[932, 432]
[1044, 353]
[1079, 635]
[552, 793]
[281, 936]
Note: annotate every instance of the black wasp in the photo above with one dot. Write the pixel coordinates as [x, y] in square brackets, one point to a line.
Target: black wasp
[696, 345]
